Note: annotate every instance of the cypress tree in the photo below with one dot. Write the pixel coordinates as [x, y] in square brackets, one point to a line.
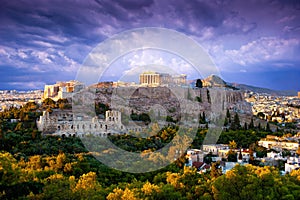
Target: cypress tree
[245, 126]
[228, 113]
[226, 121]
[208, 95]
[268, 129]
[259, 126]
[251, 125]
[236, 122]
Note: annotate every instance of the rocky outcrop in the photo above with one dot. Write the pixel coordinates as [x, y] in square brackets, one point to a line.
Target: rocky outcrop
[172, 101]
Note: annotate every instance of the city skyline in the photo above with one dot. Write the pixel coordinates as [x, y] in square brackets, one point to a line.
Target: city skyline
[255, 42]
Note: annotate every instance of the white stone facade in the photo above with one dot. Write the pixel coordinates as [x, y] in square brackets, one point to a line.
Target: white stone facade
[277, 144]
[64, 123]
[62, 90]
[154, 79]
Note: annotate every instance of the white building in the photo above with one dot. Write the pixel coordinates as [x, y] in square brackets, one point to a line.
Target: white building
[292, 164]
[62, 90]
[194, 155]
[215, 149]
[278, 144]
[64, 123]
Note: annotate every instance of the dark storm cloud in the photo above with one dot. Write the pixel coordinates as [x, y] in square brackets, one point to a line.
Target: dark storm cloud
[50, 36]
[44, 18]
[13, 74]
[135, 4]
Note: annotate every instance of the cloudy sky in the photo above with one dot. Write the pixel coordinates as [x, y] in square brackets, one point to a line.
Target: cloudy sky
[252, 42]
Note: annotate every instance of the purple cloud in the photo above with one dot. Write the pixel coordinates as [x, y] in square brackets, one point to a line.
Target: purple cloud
[51, 36]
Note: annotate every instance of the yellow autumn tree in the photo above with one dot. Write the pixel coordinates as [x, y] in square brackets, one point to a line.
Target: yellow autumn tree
[60, 161]
[119, 194]
[87, 181]
[149, 188]
[232, 144]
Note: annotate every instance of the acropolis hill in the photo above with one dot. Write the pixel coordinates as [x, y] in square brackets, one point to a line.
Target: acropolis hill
[156, 89]
[142, 99]
[158, 96]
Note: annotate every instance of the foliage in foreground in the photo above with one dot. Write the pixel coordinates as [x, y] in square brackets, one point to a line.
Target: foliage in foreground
[36, 167]
[79, 176]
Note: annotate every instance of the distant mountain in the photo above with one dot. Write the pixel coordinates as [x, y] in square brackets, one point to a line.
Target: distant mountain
[216, 81]
[265, 90]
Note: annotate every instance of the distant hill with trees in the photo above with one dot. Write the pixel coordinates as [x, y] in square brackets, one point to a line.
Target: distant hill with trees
[265, 90]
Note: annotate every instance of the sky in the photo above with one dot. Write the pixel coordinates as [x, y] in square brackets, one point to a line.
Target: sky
[252, 42]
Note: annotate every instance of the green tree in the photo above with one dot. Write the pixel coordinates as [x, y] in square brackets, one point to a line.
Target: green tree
[228, 114]
[251, 125]
[199, 83]
[259, 126]
[63, 104]
[268, 129]
[235, 125]
[226, 121]
[236, 184]
[49, 103]
[208, 96]
[231, 156]
[245, 126]
[10, 173]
